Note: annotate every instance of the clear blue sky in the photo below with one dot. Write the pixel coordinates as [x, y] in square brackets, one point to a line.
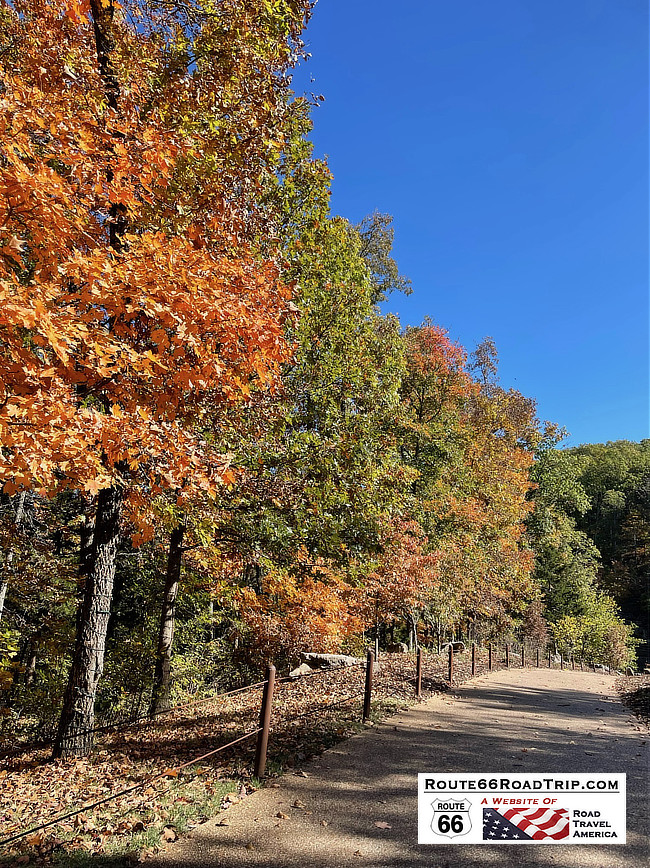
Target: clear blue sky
[509, 140]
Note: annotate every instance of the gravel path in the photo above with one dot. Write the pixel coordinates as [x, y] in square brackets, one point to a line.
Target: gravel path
[510, 721]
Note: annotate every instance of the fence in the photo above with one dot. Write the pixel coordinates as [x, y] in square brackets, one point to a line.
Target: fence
[429, 668]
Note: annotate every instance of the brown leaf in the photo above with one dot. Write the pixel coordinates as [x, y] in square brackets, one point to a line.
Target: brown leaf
[381, 825]
[169, 833]
[282, 816]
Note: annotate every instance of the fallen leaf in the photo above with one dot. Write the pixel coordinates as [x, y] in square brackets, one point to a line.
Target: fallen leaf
[282, 816]
[381, 825]
[169, 833]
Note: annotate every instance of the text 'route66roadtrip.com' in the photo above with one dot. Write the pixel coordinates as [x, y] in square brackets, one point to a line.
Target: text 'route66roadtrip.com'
[521, 808]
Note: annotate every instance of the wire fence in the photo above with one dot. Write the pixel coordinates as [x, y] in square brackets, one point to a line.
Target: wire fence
[128, 723]
[113, 796]
[393, 676]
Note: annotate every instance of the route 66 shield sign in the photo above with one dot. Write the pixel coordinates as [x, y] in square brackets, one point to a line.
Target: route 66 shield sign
[451, 817]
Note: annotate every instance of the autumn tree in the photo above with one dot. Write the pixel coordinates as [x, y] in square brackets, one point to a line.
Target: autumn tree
[470, 443]
[320, 466]
[126, 314]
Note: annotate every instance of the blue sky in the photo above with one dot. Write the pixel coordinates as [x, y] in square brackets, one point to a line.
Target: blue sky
[509, 140]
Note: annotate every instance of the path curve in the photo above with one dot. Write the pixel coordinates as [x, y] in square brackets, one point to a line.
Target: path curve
[507, 721]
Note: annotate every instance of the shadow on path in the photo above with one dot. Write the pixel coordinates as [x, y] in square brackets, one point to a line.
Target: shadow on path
[510, 721]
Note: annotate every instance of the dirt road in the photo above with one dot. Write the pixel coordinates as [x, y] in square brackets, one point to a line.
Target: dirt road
[509, 721]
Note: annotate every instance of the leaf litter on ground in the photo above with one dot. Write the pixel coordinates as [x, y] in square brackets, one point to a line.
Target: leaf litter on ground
[309, 715]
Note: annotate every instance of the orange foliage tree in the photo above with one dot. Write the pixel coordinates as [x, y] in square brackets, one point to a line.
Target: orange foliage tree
[311, 607]
[127, 310]
[403, 580]
[471, 444]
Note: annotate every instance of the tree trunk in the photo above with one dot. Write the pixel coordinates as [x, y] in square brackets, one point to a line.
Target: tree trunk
[413, 631]
[30, 668]
[162, 674]
[75, 736]
[86, 534]
[4, 582]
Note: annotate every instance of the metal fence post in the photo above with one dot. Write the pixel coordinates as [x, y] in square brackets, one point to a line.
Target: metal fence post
[473, 658]
[561, 661]
[367, 695]
[418, 675]
[538, 657]
[549, 658]
[507, 656]
[490, 657]
[451, 663]
[265, 723]
[523, 655]
[573, 662]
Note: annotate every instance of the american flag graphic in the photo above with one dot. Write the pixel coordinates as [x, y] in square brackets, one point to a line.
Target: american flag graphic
[525, 824]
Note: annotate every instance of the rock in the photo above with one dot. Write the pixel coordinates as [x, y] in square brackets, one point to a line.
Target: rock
[303, 669]
[328, 661]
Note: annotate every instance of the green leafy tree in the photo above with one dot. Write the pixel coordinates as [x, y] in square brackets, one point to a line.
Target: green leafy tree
[599, 634]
